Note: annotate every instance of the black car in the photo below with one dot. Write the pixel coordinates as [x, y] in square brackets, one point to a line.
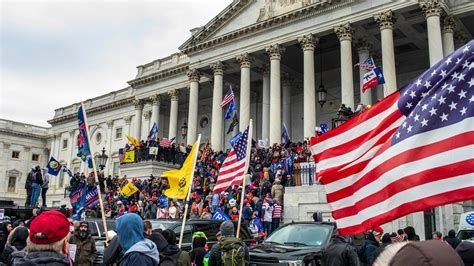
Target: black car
[96, 230]
[209, 227]
[297, 243]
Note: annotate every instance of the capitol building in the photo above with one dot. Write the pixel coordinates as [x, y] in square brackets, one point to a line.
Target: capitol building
[279, 56]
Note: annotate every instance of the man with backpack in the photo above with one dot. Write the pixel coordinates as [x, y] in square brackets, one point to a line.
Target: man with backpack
[230, 251]
[36, 183]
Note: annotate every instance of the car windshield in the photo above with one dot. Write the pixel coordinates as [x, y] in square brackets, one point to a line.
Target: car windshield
[163, 225]
[300, 235]
[466, 235]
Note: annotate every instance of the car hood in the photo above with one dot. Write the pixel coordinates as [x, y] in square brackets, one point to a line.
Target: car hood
[283, 252]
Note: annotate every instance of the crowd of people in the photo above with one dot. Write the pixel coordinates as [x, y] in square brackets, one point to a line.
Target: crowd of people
[167, 152]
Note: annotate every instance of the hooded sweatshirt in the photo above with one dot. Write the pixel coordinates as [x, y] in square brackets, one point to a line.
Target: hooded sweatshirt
[138, 250]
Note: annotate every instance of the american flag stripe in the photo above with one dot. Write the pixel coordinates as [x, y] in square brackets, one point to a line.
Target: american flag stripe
[410, 152]
[229, 96]
[235, 165]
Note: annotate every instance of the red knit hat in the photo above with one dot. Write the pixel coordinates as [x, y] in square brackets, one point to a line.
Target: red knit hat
[49, 227]
[378, 231]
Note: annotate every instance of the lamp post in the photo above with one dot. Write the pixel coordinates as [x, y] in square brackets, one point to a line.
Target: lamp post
[322, 92]
[184, 130]
[101, 160]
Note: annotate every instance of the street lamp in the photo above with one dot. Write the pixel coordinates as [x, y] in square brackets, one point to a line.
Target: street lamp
[101, 160]
[322, 92]
[184, 130]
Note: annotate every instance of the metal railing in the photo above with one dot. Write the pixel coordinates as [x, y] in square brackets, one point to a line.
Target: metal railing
[304, 174]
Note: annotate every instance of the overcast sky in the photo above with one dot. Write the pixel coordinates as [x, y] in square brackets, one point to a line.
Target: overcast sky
[55, 53]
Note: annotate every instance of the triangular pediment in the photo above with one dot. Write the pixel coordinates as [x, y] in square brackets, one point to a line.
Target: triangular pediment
[249, 14]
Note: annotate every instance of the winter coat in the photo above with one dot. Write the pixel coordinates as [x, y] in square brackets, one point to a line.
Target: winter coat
[172, 255]
[86, 251]
[11, 254]
[452, 239]
[113, 252]
[339, 253]
[466, 251]
[367, 252]
[277, 191]
[142, 253]
[15, 247]
[49, 258]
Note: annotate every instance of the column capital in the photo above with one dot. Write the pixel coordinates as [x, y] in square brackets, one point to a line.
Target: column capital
[127, 119]
[363, 45]
[448, 24]
[218, 68]
[264, 70]
[138, 104]
[174, 94]
[344, 32]
[308, 42]
[193, 75]
[386, 19]
[155, 99]
[110, 123]
[244, 60]
[275, 51]
[431, 8]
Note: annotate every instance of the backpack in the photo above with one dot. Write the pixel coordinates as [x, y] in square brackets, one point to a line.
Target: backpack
[232, 252]
[17, 255]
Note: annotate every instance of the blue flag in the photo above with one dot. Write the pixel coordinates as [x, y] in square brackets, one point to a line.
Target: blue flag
[220, 215]
[83, 149]
[235, 139]
[153, 132]
[92, 197]
[284, 134]
[324, 127]
[163, 200]
[68, 171]
[258, 224]
[231, 109]
[54, 167]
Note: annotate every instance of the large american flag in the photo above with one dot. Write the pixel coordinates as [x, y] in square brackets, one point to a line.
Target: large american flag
[412, 151]
[234, 166]
[229, 96]
[166, 143]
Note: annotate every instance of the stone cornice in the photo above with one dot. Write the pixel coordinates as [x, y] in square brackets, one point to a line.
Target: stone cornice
[99, 109]
[22, 134]
[199, 43]
[167, 73]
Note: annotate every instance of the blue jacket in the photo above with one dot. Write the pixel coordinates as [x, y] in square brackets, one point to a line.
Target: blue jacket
[142, 253]
[367, 252]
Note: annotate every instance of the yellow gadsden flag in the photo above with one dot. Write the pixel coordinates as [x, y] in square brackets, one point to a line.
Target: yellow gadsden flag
[179, 179]
[134, 141]
[129, 189]
[129, 157]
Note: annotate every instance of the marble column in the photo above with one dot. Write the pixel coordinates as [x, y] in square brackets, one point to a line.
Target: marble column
[275, 51]
[265, 103]
[138, 118]
[245, 60]
[73, 148]
[194, 77]
[447, 33]
[308, 43]
[155, 110]
[217, 119]
[173, 128]
[146, 125]
[432, 9]
[344, 33]
[128, 121]
[286, 101]
[109, 164]
[386, 20]
[363, 49]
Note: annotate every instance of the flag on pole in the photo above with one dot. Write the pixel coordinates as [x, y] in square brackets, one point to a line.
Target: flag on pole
[165, 143]
[368, 64]
[230, 110]
[284, 134]
[233, 124]
[410, 152]
[67, 171]
[77, 199]
[54, 167]
[178, 180]
[134, 141]
[129, 189]
[153, 132]
[373, 78]
[229, 96]
[235, 164]
[83, 149]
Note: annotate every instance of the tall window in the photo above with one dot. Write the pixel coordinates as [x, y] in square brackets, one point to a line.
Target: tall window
[116, 169]
[15, 154]
[35, 157]
[11, 184]
[118, 133]
[64, 143]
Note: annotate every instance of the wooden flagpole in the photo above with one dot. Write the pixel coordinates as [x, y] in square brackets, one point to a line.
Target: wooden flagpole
[247, 162]
[96, 179]
[189, 193]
